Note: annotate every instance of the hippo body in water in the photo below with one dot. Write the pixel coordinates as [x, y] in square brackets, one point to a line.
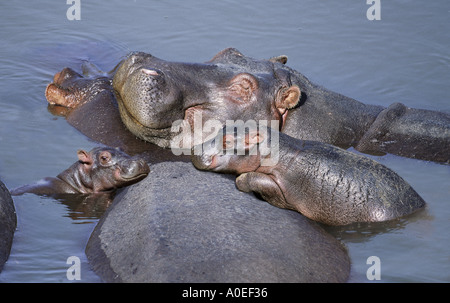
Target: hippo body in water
[8, 223]
[88, 103]
[323, 182]
[153, 94]
[184, 225]
[100, 170]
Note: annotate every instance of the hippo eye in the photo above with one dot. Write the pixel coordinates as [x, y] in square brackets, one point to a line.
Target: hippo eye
[228, 142]
[105, 158]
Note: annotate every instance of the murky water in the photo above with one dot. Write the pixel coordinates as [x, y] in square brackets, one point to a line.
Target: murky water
[403, 57]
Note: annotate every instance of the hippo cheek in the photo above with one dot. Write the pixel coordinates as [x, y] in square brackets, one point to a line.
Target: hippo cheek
[151, 99]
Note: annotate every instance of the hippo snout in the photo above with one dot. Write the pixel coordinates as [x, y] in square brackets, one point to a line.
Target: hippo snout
[202, 162]
[134, 168]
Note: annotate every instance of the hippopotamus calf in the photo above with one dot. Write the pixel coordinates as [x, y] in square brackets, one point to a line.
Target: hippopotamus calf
[100, 170]
[323, 182]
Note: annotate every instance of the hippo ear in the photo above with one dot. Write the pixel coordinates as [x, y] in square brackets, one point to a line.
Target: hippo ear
[84, 157]
[242, 87]
[280, 59]
[288, 98]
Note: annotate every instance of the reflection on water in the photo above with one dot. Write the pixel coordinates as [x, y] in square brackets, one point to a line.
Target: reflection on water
[85, 208]
[364, 232]
[401, 58]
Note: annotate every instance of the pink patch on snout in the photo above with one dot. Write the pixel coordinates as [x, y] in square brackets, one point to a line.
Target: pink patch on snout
[117, 175]
[149, 72]
[213, 162]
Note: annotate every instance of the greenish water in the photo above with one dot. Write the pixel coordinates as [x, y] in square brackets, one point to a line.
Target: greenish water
[403, 57]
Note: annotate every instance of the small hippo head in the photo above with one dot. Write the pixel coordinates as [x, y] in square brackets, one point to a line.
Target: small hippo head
[103, 169]
[70, 89]
[153, 94]
[235, 150]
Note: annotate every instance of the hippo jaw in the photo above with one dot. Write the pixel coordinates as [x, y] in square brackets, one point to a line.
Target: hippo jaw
[158, 136]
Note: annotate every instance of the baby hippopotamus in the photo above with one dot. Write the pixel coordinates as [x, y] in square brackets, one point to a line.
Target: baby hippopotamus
[100, 170]
[323, 182]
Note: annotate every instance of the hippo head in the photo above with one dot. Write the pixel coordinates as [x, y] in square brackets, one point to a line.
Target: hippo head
[237, 150]
[103, 169]
[152, 93]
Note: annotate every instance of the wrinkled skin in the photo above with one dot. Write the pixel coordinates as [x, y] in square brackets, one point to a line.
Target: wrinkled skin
[323, 182]
[152, 94]
[101, 170]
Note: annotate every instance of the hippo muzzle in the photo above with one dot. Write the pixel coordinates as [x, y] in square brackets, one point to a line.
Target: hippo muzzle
[132, 169]
[204, 156]
[149, 102]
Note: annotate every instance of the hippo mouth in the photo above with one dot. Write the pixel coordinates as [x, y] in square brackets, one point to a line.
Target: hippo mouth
[157, 132]
[157, 135]
[127, 179]
[140, 172]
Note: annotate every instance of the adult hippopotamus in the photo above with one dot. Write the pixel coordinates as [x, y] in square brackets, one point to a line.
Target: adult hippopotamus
[154, 94]
[184, 225]
[100, 170]
[323, 182]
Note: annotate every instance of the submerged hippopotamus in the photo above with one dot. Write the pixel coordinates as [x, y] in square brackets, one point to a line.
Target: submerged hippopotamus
[154, 95]
[88, 103]
[158, 231]
[8, 223]
[100, 170]
[323, 182]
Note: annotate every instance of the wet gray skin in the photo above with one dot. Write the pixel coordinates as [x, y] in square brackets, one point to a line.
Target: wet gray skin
[323, 182]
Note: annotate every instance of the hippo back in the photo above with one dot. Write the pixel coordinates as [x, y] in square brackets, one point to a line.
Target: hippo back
[175, 227]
